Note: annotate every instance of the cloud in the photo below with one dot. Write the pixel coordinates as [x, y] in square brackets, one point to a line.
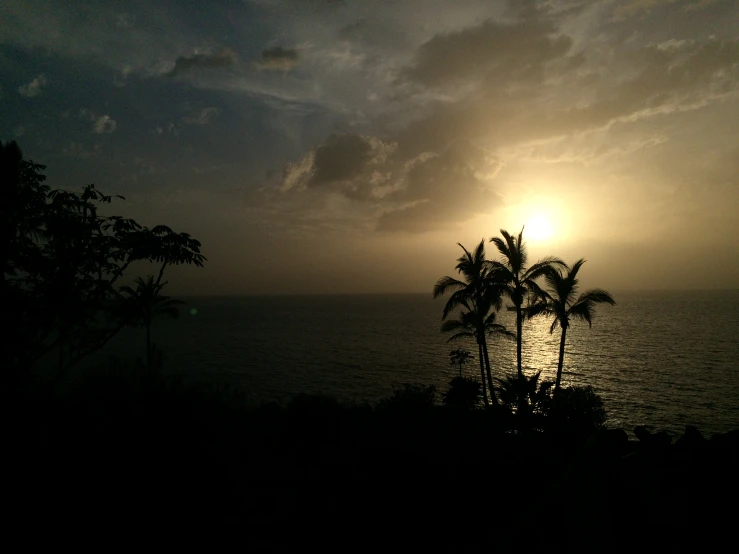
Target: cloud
[203, 117]
[103, 124]
[509, 52]
[633, 8]
[218, 60]
[32, 89]
[278, 59]
[100, 124]
[345, 163]
[422, 193]
[442, 190]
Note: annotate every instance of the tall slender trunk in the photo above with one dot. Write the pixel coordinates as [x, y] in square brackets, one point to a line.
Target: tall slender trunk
[482, 373]
[519, 339]
[490, 375]
[561, 358]
[460, 370]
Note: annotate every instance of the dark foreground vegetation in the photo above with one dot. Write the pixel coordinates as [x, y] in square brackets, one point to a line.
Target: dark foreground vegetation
[125, 450]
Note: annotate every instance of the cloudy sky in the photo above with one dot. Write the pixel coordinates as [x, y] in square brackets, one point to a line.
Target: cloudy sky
[348, 145]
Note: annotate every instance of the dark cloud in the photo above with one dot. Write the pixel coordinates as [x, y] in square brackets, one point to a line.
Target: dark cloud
[349, 164]
[509, 52]
[278, 59]
[202, 117]
[340, 158]
[444, 189]
[417, 194]
[188, 64]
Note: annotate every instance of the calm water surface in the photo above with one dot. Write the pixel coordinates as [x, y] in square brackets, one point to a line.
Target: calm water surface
[664, 359]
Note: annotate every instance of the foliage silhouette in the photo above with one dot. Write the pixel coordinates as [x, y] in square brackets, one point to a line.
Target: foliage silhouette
[460, 357]
[478, 298]
[62, 261]
[577, 409]
[141, 305]
[409, 398]
[463, 393]
[517, 280]
[560, 301]
[525, 396]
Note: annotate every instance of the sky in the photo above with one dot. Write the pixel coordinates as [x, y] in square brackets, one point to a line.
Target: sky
[347, 146]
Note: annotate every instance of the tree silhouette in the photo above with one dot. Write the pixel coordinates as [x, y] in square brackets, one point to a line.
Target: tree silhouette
[143, 303]
[460, 357]
[517, 280]
[22, 202]
[560, 301]
[478, 298]
[61, 263]
[524, 395]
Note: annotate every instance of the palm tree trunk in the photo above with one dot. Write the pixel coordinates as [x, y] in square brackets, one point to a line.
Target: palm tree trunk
[519, 339]
[490, 375]
[561, 358]
[482, 373]
[460, 370]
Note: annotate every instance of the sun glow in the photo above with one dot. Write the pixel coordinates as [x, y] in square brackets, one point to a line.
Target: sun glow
[538, 228]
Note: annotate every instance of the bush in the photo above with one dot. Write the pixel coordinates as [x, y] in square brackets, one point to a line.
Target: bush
[410, 398]
[577, 409]
[464, 393]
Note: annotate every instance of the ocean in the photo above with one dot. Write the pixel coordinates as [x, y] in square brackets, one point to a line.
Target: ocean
[660, 359]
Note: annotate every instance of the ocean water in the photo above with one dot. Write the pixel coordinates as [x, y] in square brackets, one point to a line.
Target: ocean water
[661, 359]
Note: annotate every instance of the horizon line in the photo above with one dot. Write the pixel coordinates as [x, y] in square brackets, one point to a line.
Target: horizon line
[272, 294]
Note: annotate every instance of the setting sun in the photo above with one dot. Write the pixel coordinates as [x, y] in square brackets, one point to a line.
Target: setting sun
[538, 228]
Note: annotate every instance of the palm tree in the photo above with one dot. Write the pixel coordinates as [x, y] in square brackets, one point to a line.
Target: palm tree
[560, 301]
[517, 280]
[478, 298]
[142, 304]
[477, 326]
[460, 357]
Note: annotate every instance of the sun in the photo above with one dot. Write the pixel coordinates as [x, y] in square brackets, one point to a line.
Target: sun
[538, 228]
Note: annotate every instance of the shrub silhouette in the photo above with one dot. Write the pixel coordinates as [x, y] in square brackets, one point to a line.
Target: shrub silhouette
[408, 399]
[464, 393]
[578, 409]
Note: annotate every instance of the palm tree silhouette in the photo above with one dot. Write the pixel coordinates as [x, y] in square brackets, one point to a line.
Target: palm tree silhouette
[460, 357]
[560, 301]
[479, 298]
[142, 304]
[518, 281]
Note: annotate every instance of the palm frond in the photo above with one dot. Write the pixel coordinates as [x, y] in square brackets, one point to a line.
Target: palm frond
[584, 307]
[522, 254]
[462, 335]
[503, 250]
[446, 283]
[499, 272]
[541, 307]
[540, 268]
[460, 298]
[572, 273]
